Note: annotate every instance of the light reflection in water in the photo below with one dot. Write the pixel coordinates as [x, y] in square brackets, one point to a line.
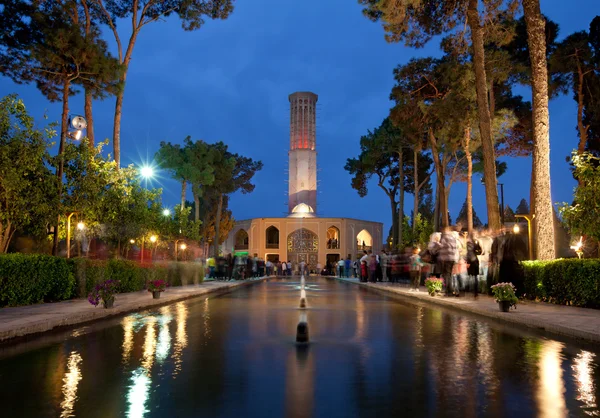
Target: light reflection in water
[70, 382]
[180, 337]
[164, 336]
[149, 344]
[582, 372]
[127, 323]
[485, 358]
[138, 393]
[551, 389]
[206, 322]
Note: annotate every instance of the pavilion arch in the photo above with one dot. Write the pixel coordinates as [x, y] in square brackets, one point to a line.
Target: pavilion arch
[272, 237]
[241, 240]
[364, 240]
[333, 237]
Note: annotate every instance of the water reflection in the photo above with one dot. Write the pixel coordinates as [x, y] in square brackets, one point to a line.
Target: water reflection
[206, 322]
[181, 340]
[138, 393]
[164, 336]
[127, 324]
[70, 383]
[551, 390]
[582, 372]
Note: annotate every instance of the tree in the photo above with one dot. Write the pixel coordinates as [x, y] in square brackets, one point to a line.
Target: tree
[509, 214]
[141, 13]
[233, 172]
[44, 44]
[208, 214]
[523, 208]
[175, 159]
[199, 156]
[27, 188]
[542, 194]
[463, 216]
[417, 22]
[581, 216]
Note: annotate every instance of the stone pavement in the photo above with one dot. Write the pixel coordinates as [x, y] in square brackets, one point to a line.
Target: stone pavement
[570, 321]
[24, 320]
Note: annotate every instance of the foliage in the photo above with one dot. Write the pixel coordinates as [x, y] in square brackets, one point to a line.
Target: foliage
[462, 217]
[104, 292]
[564, 281]
[26, 279]
[505, 292]
[434, 284]
[418, 236]
[581, 217]
[509, 214]
[27, 187]
[523, 208]
[157, 285]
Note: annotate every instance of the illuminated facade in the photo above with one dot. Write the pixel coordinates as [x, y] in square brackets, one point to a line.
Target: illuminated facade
[303, 235]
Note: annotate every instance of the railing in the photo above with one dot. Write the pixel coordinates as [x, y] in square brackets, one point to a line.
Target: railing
[239, 247]
[362, 248]
[273, 245]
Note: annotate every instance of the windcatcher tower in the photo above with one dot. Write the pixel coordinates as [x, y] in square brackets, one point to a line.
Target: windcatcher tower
[302, 156]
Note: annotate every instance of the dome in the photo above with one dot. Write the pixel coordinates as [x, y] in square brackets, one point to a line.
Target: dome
[302, 210]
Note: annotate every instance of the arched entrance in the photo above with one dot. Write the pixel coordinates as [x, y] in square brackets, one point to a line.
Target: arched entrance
[364, 241]
[303, 245]
[241, 240]
[333, 238]
[272, 237]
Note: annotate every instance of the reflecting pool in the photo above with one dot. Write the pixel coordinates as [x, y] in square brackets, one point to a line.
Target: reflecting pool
[234, 355]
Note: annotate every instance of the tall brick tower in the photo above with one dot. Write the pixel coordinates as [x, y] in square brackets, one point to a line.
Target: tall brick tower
[303, 154]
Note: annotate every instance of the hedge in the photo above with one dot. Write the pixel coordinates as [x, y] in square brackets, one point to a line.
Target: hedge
[27, 279]
[564, 281]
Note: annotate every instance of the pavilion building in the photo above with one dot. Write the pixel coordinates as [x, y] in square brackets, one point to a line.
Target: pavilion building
[303, 235]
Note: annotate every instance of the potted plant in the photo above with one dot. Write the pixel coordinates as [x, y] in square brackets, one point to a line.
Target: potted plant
[104, 292]
[504, 293]
[156, 287]
[434, 285]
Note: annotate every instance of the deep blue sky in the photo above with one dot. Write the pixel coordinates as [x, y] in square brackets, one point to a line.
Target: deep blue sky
[230, 81]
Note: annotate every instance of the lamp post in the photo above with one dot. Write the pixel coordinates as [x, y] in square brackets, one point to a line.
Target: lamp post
[153, 240]
[529, 217]
[69, 234]
[501, 202]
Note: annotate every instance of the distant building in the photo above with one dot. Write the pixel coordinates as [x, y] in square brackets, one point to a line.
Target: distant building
[303, 235]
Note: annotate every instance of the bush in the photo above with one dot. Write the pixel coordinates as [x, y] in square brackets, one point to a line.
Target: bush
[32, 278]
[565, 281]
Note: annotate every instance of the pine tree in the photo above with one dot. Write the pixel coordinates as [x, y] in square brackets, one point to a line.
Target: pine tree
[523, 208]
[509, 214]
[462, 217]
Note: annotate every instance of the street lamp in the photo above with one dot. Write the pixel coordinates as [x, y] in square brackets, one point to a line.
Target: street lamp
[183, 246]
[166, 212]
[80, 226]
[529, 218]
[147, 172]
[516, 229]
[69, 233]
[153, 239]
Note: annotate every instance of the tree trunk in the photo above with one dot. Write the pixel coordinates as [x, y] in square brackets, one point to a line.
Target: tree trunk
[64, 126]
[483, 110]
[197, 207]
[183, 187]
[417, 188]
[467, 144]
[544, 224]
[436, 209]
[580, 126]
[442, 197]
[217, 224]
[6, 236]
[401, 198]
[89, 117]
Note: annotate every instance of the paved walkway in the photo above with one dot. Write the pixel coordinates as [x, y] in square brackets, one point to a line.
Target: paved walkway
[24, 320]
[570, 321]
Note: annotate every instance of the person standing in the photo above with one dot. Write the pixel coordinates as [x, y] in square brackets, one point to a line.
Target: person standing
[415, 270]
[383, 262]
[347, 267]
[341, 264]
[373, 268]
[448, 256]
[473, 250]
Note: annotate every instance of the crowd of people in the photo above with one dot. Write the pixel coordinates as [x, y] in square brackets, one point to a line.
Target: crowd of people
[465, 263]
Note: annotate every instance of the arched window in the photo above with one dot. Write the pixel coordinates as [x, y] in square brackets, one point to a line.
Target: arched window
[333, 238]
[241, 240]
[272, 237]
[364, 240]
[303, 241]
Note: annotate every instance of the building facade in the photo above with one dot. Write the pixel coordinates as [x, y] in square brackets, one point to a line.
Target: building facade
[303, 235]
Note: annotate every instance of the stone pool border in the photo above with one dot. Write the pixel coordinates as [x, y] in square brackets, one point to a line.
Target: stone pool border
[24, 321]
[566, 321]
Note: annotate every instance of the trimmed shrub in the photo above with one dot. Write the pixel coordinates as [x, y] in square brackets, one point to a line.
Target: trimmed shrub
[564, 281]
[32, 278]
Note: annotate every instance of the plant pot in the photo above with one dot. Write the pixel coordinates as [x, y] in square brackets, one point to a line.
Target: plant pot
[156, 294]
[108, 303]
[432, 293]
[504, 305]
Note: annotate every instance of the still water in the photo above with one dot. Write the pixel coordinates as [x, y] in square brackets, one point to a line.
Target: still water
[234, 355]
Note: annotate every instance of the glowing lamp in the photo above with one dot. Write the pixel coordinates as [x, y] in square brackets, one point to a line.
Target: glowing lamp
[147, 172]
[166, 212]
[516, 229]
[80, 226]
[153, 238]
[183, 246]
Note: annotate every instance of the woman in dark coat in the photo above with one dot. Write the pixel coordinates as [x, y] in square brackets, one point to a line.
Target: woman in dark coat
[473, 250]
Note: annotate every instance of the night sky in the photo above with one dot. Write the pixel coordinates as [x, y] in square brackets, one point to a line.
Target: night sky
[230, 81]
